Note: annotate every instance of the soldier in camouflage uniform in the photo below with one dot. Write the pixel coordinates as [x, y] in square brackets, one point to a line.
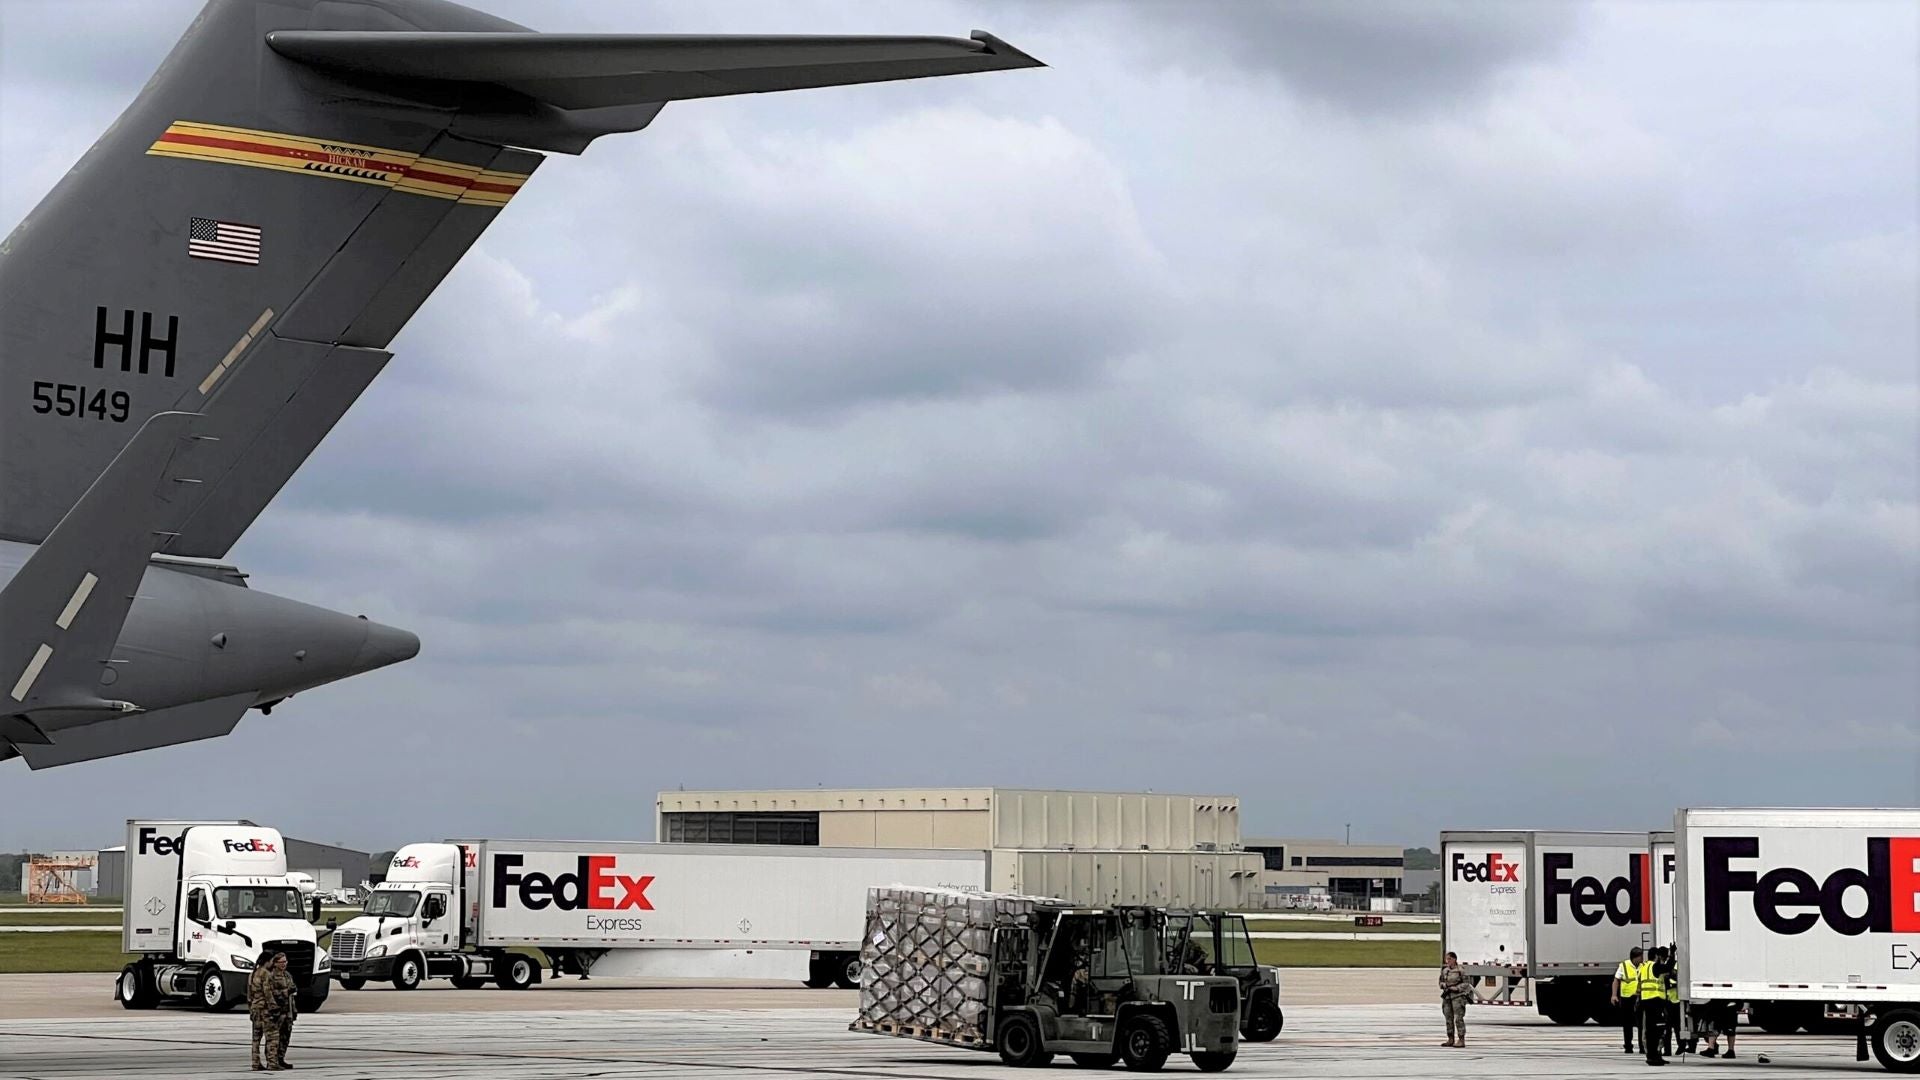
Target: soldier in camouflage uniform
[257, 1002]
[1456, 986]
[281, 1007]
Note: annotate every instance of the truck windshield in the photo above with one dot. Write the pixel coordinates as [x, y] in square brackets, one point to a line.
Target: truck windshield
[397, 902]
[257, 902]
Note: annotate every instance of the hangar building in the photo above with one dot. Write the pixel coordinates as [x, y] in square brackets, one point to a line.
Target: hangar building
[1083, 846]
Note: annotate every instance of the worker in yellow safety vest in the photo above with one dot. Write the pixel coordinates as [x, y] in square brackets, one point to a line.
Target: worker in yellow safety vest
[1656, 976]
[1626, 995]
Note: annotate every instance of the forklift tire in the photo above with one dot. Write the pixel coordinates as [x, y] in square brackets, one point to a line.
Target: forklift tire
[516, 972]
[408, 971]
[1895, 1038]
[1145, 1043]
[353, 982]
[846, 971]
[1207, 1061]
[1264, 1022]
[135, 989]
[1020, 1044]
[1095, 1061]
[467, 982]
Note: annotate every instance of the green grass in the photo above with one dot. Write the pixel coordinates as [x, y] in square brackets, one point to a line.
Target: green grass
[23, 953]
[1335, 926]
[1348, 953]
[65, 916]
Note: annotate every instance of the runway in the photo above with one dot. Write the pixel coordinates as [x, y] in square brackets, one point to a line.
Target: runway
[554, 1032]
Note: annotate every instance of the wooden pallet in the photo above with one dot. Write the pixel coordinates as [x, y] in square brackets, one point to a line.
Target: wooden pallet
[915, 1031]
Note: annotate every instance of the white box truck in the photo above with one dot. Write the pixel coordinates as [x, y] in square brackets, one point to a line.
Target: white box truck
[204, 901]
[1558, 908]
[473, 910]
[1666, 870]
[1811, 917]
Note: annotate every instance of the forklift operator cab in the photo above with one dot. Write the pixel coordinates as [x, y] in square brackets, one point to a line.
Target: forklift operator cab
[1098, 992]
[1217, 943]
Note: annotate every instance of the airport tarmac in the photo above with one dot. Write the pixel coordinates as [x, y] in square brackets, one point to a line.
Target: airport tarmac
[761, 1032]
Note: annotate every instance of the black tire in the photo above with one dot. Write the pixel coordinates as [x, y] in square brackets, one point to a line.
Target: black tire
[1145, 1043]
[846, 971]
[309, 1003]
[213, 993]
[1095, 1061]
[408, 971]
[1020, 1043]
[515, 972]
[352, 982]
[1895, 1037]
[135, 988]
[1263, 1023]
[467, 982]
[819, 973]
[1211, 1061]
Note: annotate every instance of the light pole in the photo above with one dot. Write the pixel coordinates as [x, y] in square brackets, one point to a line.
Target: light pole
[1349, 840]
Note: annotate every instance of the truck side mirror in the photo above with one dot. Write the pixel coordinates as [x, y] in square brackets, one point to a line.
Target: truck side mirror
[316, 911]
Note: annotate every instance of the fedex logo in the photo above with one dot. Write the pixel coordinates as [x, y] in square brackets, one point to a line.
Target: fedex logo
[1495, 867]
[1666, 867]
[152, 842]
[469, 857]
[1890, 884]
[590, 886]
[1621, 901]
[255, 844]
[409, 861]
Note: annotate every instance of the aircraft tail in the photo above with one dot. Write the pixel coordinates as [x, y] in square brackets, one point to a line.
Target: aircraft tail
[293, 183]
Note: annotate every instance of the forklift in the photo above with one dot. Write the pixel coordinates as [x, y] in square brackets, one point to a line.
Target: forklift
[1217, 943]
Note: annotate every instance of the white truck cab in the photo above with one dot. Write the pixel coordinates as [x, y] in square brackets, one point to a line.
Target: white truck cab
[205, 902]
[413, 927]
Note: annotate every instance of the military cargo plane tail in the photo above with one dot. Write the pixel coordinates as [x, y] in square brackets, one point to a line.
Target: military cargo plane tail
[222, 274]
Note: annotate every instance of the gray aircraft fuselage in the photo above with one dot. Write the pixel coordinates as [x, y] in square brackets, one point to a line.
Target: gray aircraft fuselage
[268, 647]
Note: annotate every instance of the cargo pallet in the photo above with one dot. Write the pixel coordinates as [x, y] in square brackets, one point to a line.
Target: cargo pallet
[914, 1031]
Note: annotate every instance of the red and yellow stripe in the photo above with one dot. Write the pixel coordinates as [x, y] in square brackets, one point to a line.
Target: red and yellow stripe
[352, 162]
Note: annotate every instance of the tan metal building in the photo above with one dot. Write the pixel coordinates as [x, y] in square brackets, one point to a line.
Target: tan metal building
[1084, 846]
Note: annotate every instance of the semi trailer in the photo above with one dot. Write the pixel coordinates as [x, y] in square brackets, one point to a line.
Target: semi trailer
[205, 900]
[475, 911]
[1552, 911]
[1808, 917]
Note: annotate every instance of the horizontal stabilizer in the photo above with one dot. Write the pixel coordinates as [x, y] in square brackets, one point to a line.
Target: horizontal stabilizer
[138, 731]
[595, 71]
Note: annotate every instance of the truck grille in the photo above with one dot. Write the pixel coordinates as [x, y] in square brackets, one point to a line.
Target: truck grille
[348, 945]
[1224, 999]
[299, 960]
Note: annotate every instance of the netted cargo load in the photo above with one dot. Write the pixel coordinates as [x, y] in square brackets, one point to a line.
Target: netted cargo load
[927, 956]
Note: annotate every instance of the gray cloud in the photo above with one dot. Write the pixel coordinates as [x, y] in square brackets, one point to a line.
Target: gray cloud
[1479, 444]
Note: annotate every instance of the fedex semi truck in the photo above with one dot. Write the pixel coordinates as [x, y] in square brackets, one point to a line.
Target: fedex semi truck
[473, 911]
[1556, 911]
[205, 900]
[1810, 917]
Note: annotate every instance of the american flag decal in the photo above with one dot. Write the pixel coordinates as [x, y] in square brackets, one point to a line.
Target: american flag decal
[224, 241]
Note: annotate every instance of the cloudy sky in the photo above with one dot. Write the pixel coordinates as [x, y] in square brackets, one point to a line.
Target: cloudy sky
[1405, 415]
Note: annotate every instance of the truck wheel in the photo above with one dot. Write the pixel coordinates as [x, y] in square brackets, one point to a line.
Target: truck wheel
[1896, 1040]
[1095, 1061]
[135, 989]
[846, 972]
[467, 982]
[516, 972]
[1020, 1044]
[1264, 1022]
[408, 971]
[1145, 1043]
[309, 1003]
[1208, 1061]
[353, 982]
[213, 990]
